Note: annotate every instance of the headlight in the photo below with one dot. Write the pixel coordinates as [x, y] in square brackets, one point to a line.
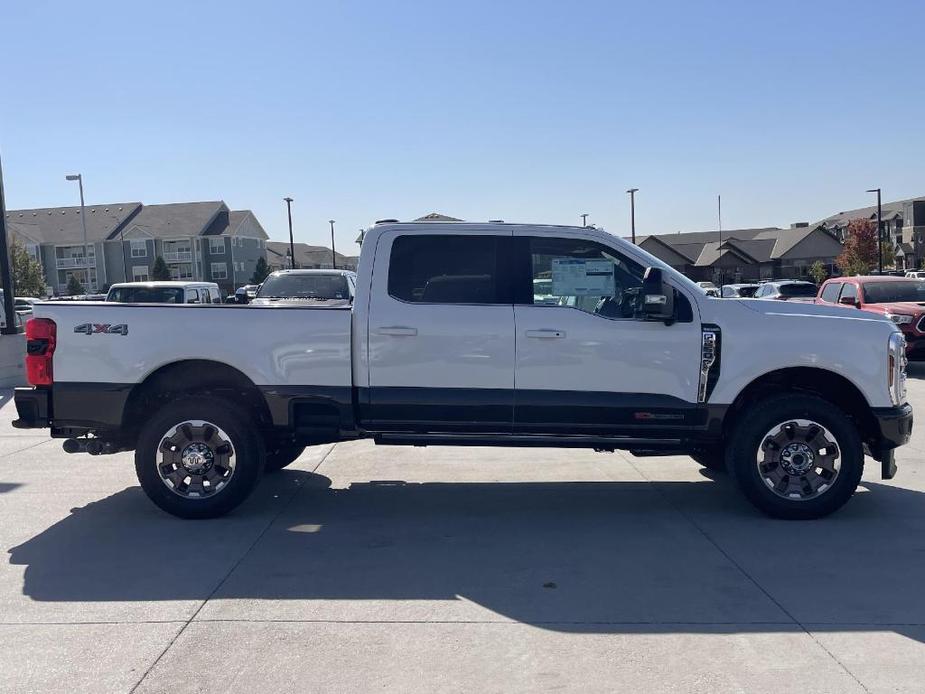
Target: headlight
[897, 368]
[900, 318]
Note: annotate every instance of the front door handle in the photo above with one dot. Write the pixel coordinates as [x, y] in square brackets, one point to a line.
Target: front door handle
[399, 330]
[546, 334]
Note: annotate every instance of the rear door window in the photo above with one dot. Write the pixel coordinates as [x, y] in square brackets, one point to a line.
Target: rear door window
[450, 269]
[192, 296]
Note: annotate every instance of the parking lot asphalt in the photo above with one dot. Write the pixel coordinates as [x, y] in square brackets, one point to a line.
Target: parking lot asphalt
[364, 568]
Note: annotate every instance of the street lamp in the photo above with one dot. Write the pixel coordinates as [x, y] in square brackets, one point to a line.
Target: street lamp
[333, 257]
[632, 192]
[879, 231]
[291, 243]
[83, 221]
[584, 219]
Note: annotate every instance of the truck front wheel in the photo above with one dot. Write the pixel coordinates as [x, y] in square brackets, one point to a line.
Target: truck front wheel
[796, 456]
[199, 457]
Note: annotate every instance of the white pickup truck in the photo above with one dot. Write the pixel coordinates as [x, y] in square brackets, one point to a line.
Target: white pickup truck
[449, 343]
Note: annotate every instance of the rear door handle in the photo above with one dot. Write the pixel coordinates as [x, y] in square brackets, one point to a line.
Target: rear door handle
[546, 334]
[399, 330]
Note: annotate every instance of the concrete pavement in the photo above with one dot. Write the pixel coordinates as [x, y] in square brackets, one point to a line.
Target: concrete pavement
[455, 569]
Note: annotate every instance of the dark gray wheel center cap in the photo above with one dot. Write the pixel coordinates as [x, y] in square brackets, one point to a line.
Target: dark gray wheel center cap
[197, 458]
[796, 458]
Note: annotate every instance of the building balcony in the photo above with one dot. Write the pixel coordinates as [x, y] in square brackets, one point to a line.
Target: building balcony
[75, 262]
[178, 256]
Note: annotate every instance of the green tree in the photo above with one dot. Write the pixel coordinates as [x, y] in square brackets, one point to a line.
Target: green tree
[261, 270]
[818, 272]
[28, 279]
[160, 272]
[889, 257]
[74, 287]
[860, 253]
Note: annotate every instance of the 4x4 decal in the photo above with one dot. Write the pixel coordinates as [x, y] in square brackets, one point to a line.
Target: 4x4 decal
[102, 328]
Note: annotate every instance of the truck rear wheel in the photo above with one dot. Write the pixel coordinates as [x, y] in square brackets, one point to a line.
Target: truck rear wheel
[796, 457]
[281, 456]
[199, 457]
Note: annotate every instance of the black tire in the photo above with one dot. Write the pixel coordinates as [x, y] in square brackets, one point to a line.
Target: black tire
[281, 456]
[246, 452]
[750, 435]
[710, 458]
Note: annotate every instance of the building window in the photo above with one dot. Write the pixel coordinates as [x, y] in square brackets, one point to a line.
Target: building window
[139, 248]
[217, 246]
[219, 271]
[139, 273]
[181, 271]
[33, 251]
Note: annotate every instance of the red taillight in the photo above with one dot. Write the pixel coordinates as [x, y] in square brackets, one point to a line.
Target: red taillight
[41, 337]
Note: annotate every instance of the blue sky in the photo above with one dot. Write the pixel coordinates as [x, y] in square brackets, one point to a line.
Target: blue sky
[525, 111]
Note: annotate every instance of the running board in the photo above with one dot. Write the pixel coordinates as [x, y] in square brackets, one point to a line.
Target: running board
[527, 440]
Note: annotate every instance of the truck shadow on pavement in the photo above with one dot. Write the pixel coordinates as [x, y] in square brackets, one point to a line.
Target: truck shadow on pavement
[583, 557]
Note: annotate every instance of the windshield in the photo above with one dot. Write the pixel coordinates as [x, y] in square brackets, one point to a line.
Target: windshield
[798, 289]
[889, 292]
[292, 286]
[146, 295]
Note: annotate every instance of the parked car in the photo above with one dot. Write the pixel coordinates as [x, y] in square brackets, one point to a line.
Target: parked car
[916, 274]
[901, 299]
[328, 287]
[739, 291]
[176, 292]
[708, 288]
[787, 290]
[246, 293]
[23, 305]
[17, 318]
[446, 344]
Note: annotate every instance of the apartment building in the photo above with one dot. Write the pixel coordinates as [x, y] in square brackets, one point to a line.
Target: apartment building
[198, 240]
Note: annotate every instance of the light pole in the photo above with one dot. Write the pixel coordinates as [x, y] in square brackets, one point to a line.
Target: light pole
[6, 271]
[291, 243]
[632, 192]
[584, 219]
[333, 257]
[879, 231]
[83, 221]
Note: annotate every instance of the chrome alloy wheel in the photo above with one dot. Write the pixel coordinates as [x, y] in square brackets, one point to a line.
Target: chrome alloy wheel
[195, 459]
[799, 460]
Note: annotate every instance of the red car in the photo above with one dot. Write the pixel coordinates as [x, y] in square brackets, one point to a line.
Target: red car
[901, 299]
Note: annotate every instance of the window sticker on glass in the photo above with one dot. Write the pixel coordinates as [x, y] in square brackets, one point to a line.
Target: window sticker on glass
[582, 277]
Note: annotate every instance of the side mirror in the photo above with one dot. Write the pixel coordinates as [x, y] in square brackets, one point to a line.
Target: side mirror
[849, 301]
[192, 301]
[657, 302]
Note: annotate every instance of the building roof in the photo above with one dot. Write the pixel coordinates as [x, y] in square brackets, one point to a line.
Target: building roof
[177, 218]
[437, 217]
[704, 248]
[63, 224]
[234, 222]
[305, 255]
[888, 210]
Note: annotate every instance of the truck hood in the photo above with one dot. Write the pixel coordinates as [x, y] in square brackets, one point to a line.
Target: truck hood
[807, 310]
[913, 308]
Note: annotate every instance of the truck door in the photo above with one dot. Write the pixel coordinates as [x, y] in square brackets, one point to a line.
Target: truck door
[584, 363]
[441, 334]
